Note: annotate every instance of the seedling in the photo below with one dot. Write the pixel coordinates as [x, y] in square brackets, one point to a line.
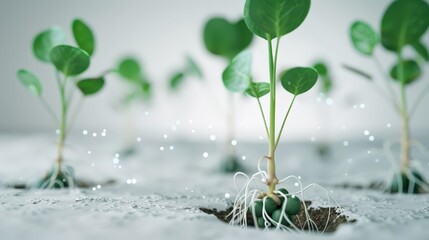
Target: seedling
[225, 39]
[403, 25]
[270, 20]
[190, 70]
[69, 62]
[325, 86]
[139, 90]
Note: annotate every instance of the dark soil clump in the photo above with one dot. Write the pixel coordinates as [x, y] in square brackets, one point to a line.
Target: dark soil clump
[318, 215]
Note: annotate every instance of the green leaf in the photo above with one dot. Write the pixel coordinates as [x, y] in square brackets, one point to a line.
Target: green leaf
[176, 80]
[358, 72]
[192, 68]
[275, 18]
[323, 71]
[237, 75]
[258, 90]
[45, 41]
[83, 36]
[299, 80]
[411, 71]
[69, 60]
[226, 39]
[146, 88]
[404, 22]
[30, 81]
[129, 68]
[90, 86]
[421, 50]
[363, 37]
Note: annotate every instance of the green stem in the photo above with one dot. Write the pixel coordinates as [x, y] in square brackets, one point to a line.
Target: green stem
[63, 120]
[405, 158]
[284, 121]
[50, 110]
[271, 165]
[263, 117]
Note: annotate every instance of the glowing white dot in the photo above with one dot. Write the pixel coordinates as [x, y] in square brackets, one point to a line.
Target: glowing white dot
[369, 152]
[94, 134]
[355, 106]
[212, 137]
[366, 132]
[139, 139]
[371, 138]
[205, 154]
[128, 181]
[313, 139]
[362, 106]
[193, 131]
[146, 113]
[115, 160]
[98, 186]
[171, 148]
[227, 195]
[104, 130]
[173, 128]
[120, 166]
[210, 126]
[133, 181]
[234, 142]
[190, 121]
[299, 177]
[296, 184]
[103, 134]
[243, 157]
[93, 189]
[165, 136]
[260, 137]
[345, 143]
[161, 148]
[388, 125]
[89, 152]
[117, 155]
[329, 101]
[57, 131]
[84, 132]
[345, 174]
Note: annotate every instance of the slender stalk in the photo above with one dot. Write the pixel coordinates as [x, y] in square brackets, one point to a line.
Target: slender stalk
[284, 121]
[271, 165]
[263, 117]
[388, 84]
[50, 110]
[405, 151]
[63, 121]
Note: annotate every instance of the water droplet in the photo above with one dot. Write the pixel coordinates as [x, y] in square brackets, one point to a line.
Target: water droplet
[296, 184]
[117, 155]
[345, 174]
[329, 101]
[345, 143]
[85, 132]
[98, 186]
[205, 154]
[115, 160]
[299, 177]
[139, 139]
[366, 132]
[227, 195]
[94, 134]
[212, 137]
[243, 157]
[161, 148]
[89, 152]
[371, 138]
[103, 134]
[234, 142]
[388, 125]
[93, 189]
[134, 181]
[165, 136]
[171, 148]
[362, 106]
[128, 181]
[193, 131]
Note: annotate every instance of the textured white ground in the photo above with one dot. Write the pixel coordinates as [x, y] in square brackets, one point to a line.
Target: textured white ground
[172, 184]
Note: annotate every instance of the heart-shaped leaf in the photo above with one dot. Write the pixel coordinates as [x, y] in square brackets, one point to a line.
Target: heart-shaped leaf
[192, 68]
[363, 37]
[129, 68]
[83, 36]
[237, 75]
[226, 39]
[258, 89]
[69, 60]
[404, 22]
[90, 86]
[45, 41]
[30, 81]
[176, 80]
[411, 71]
[299, 80]
[322, 69]
[421, 50]
[274, 18]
